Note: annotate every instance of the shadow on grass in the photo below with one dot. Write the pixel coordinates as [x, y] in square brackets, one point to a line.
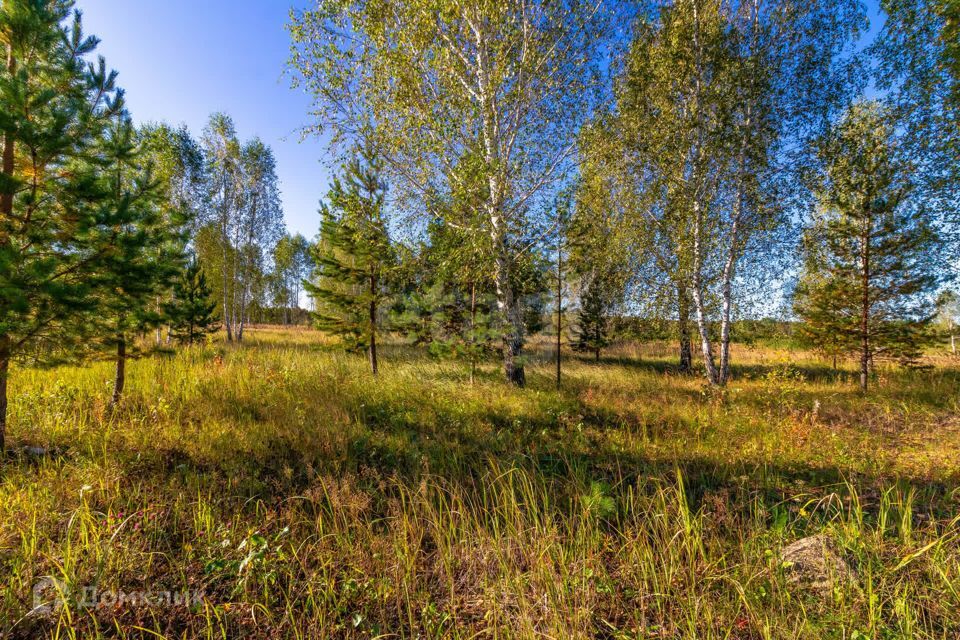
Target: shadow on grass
[412, 436]
[463, 445]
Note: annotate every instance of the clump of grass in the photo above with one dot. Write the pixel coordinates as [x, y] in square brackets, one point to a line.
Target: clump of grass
[303, 499]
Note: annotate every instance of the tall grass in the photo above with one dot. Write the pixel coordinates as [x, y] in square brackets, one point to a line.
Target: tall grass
[303, 499]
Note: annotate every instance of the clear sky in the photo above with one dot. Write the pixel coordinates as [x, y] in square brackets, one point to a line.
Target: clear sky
[180, 60]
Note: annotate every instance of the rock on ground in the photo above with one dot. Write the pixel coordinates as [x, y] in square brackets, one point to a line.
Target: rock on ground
[816, 563]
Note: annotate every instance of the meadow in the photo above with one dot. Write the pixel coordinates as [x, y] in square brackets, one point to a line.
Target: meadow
[292, 495]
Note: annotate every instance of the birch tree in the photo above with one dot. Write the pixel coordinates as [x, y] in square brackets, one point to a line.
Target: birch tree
[221, 150]
[715, 104]
[244, 214]
[502, 84]
[291, 266]
[674, 115]
[177, 165]
[259, 226]
[792, 66]
[918, 73]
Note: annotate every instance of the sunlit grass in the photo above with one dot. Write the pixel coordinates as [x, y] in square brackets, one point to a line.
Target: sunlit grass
[305, 499]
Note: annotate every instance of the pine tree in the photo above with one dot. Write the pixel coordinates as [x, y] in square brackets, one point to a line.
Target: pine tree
[450, 321]
[822, 315]
[53, 231]
[146, 245]
[191, 311]
[353, 257]
[598, 261]
[592, 330]
[446, 304]
[875, 250]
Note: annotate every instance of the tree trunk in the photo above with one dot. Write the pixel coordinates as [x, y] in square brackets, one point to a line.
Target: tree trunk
[683, 320]
[159, 331]
[4, 375]
[243, 314]
[373, 324]
[509, 312]
[559, 308]
[491, 131]
[6, 199]
[953, 344]
[706, 347]
[6, 212]
[728, 269]
[699, 306]
[295, 309]
[243, 305]
[121, 369]
[865, 356]
[513, 336]
[226, 298]
[473, 330]
[236, 284]
[864, 359]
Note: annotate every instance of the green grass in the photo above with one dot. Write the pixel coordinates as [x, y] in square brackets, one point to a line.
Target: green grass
[306, 500]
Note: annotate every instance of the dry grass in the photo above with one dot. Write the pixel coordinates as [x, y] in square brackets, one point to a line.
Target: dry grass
[304, 499]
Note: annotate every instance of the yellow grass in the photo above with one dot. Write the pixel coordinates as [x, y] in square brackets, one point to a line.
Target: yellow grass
[298, 497]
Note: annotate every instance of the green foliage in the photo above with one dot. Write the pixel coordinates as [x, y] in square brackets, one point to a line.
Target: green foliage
[593, 317]
[449, 303]
[55, 230]
[871, 255]
[598, 261]
[146, 244]
[242, 220]
[291, 266]
[354, 257]
[947, 321]
[191, 311]
[918, 75]
[457, 97]
[530, 280]
[445, 303]
[451, 323]
[178, 166]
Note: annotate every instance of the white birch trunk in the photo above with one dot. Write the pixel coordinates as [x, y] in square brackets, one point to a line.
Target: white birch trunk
[706, 346]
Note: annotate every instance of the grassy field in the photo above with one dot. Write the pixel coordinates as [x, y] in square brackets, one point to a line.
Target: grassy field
[294, 496]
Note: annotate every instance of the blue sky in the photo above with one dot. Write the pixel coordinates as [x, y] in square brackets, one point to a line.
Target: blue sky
[181, 60]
